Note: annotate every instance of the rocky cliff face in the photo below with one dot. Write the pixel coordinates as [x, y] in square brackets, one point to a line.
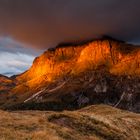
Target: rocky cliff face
[68, 77]
[119, 58]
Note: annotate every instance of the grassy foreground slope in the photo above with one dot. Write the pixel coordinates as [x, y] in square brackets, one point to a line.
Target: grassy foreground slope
[92, 123]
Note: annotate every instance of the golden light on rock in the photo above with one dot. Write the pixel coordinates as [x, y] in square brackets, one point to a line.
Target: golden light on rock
[75, 59]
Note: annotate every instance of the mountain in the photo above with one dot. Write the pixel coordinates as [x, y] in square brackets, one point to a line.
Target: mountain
[119, 58]
[71, 76]
[5, 84]
[91, 123]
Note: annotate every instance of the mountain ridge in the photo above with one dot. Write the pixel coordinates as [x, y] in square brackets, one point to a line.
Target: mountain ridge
[109, 49]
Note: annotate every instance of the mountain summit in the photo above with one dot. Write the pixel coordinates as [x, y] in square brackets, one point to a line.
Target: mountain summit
[117, 57]
[71, 76]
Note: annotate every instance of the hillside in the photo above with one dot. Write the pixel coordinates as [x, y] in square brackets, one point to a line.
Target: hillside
[91, 123]
[72, 76]
[5, 83]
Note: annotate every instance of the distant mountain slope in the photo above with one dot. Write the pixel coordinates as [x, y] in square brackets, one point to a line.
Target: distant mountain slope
[5, 83]
[72, 76]
[91, 123]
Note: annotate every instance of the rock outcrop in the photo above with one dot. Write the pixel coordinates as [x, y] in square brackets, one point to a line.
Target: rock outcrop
[119, 58]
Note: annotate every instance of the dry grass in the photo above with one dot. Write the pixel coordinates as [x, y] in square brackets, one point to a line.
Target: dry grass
[91, 123]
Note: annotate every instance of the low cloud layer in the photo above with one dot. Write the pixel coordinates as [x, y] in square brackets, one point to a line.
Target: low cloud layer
[15, 57]
[44, 23]
[12, 64]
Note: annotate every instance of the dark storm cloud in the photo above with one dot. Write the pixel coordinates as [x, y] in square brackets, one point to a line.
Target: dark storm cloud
[11, 46]
[44, 23]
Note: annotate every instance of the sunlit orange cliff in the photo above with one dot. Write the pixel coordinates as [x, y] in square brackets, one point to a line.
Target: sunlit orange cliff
[119, 58]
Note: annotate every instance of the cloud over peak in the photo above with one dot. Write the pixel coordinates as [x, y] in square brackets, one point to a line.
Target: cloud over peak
[44, 23]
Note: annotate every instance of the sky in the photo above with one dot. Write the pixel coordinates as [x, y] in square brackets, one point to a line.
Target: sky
[15, 57]
[28, 27]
